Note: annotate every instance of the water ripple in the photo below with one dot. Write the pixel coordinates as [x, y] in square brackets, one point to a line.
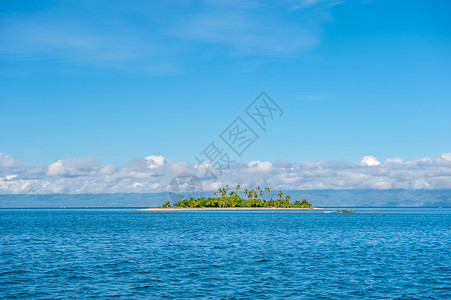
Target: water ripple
[125, 254]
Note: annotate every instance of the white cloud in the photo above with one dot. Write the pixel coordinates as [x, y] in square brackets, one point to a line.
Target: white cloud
[74, 167]
[56, 168]
[10, 177]
[109, 169]
[155, 161]
[446, 156]
[394, 160]
[168, 33]
[370, 161]
[81, 40]
[260, 166]
[245, 34]
[154, 173]
[7, 161]
[313, 4]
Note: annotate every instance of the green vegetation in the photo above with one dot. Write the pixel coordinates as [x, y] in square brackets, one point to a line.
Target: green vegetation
[224, 197]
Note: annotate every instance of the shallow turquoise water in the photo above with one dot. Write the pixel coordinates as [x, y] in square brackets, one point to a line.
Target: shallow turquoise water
[244, 254]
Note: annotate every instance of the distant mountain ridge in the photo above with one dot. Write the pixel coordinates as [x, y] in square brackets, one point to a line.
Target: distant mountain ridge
[319, 198]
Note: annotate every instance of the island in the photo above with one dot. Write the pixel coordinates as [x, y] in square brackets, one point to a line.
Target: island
[225, 198]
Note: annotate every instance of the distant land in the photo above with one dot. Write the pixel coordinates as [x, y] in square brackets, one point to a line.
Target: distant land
[319, 198]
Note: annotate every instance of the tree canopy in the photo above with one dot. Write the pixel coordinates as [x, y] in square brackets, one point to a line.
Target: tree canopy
[225, 197]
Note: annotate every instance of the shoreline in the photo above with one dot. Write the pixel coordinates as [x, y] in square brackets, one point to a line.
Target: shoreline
[222, 208]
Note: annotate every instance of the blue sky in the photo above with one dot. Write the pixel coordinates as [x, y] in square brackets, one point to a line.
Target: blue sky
[121, 80]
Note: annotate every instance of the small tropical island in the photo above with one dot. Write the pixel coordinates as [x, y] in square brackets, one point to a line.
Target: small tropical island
[226, 198]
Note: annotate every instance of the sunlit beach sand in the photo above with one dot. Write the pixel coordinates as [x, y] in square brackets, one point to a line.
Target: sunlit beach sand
[223, 208]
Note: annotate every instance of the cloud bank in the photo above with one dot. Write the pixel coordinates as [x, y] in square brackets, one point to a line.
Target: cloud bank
[154, 173]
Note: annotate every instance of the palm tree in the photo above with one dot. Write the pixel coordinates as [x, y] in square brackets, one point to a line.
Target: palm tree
[238, 188]
[267, 190]
[280, 194]
[246, 193]
[287, 200]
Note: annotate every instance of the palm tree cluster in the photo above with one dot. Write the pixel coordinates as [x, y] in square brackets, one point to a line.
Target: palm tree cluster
[225, 197]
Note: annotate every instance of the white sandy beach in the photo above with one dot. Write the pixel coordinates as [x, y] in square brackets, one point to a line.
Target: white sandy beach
[222, 208]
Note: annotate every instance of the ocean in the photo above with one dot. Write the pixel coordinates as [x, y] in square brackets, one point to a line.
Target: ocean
[122, 253]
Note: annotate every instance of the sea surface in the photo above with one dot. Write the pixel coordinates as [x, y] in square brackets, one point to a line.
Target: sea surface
[106, 253]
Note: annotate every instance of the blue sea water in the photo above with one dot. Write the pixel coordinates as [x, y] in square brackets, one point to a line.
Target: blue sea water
[403, 254]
